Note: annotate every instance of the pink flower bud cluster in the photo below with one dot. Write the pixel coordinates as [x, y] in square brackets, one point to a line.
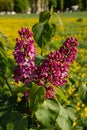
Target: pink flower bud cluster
[24, 55]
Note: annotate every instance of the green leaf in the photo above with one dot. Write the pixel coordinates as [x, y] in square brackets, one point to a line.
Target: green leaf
[13, 121]
[53, 45]
[71, 114]
[3, 53]
[21, 124]
[8, 120]
[37, 95]
[60, 93]
[3, 65]
[2, 81]
[3, 104]
[33, 129]
[72, 80]
[44, 16]
[10, 65]
[7, 103]
[3, 36]
[1, 128]
[10, 126]
[83, 93]
[3, 70]
[84, 121]
[63, 120]
[38, 30]
[43, 33]
[55, 19]
[47, 113]
[49, 31]
[1, 45]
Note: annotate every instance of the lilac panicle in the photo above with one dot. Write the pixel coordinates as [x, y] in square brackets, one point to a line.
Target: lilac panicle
[52, 70]
[24, 55]
[55, 67]
[25, 33]
[69, 49]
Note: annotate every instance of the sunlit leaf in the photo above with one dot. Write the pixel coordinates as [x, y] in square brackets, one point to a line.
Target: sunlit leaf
[60, 93]
[48, 113]
[70, 113]
[56, 19]
[63, 120]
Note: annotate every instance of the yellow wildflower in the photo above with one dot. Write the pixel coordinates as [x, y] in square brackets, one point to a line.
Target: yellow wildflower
[84, 75]
[78, 108]
[84, 114]
[78, 104]
[83, 105]
[19, 84]
[19, 99]
[74, 123]
[85, 111]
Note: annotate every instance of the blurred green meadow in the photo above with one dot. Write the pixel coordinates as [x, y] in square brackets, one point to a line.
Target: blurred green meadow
[69, 24]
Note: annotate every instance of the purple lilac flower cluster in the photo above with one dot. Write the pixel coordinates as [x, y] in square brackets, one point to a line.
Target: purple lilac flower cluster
[68, 50]
[24, 55]
[54, 69]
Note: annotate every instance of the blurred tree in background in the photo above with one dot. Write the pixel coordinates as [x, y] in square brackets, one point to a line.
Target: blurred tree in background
[61, 5]
[69, 3]
[52, 3]
[37, 6]
[21, 6]
[6, 5]
[84, 2]
[1, 5]
[33, 5]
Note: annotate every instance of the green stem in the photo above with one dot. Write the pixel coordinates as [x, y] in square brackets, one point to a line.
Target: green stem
[9, 86]
[41, 52]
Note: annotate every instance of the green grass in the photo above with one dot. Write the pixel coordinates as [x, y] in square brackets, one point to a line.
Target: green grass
[19, 16]
[62, 15]
[73, 15]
